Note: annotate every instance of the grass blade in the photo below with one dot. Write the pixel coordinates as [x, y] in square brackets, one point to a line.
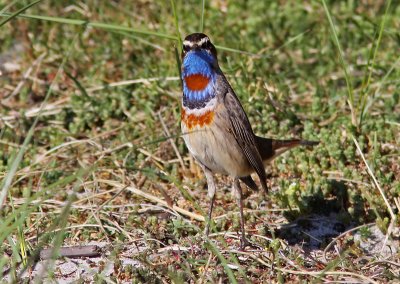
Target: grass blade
[219, 47]
[223, 261]
[383, 82]
[118, 28]
[57, 226]
[111, 27]
[13, 15]
[8, 7]
[176, 22]
[371, 64]
[5, 185]
[290, 40]
[202, 15]
[350, 94]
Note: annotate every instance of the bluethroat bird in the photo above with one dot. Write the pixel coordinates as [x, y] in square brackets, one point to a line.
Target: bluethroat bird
[216, 129]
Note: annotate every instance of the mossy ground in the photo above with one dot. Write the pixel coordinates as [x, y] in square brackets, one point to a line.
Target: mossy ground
[97, 127]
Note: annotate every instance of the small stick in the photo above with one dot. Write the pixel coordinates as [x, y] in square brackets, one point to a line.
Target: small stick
[26, 76]
[342, 235]
[72, 252]
[131, 82]
[392, 215]
[154, 199]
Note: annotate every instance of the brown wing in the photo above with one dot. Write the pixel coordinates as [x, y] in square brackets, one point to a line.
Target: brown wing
[243, 133]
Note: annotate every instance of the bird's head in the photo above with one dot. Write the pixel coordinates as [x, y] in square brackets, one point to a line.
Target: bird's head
[199, 43]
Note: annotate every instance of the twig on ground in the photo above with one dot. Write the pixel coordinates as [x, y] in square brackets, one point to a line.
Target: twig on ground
[119, 147]
[342, 235]
[48, 109]
[158, 161]
[255, 211]
[155, 199]
[392, 215]
[397, 201]
[388, 233]
[131, 82]
[251, 255]
[113, 220]
[73, 252]
[79, 227]
[25, 77]
[203, 276]
[322, 273]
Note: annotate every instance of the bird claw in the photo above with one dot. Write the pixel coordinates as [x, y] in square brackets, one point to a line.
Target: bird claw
[243, 244]
[246, 243]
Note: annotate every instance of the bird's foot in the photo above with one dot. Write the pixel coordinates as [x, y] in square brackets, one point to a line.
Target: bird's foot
[244, 243]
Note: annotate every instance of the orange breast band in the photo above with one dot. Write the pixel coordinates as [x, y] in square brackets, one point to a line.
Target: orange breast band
[193, 120]
[196, 82]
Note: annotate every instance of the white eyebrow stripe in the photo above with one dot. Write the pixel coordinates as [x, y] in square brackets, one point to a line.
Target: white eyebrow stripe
[203, 40]
[199, 43]
[188, 43]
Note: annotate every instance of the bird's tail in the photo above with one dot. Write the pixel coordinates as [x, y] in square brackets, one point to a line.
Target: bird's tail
[271, 148]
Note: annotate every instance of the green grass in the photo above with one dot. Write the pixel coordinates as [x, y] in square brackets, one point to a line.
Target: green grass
[75, 132]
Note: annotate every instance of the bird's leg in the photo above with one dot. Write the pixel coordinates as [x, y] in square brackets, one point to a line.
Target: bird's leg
[211, 195]
[238, 192]
[210, 209]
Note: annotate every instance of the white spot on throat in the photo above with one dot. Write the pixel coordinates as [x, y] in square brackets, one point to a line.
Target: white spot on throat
[209, 106]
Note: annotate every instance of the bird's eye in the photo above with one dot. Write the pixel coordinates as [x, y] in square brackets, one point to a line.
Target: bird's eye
[186, 48]
[206, 45]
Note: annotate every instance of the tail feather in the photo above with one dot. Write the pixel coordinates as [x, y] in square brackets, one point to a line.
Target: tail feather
[248, 180]
[308, 143]
[271, 148]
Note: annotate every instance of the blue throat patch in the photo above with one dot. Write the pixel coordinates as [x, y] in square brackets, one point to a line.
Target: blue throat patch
[198, 62]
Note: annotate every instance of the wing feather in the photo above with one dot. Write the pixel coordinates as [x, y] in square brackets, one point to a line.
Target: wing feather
[244, 135]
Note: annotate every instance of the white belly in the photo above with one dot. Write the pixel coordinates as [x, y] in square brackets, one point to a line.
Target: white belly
[217, 149]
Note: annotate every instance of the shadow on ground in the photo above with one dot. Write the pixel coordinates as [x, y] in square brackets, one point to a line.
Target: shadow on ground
[312, 232]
